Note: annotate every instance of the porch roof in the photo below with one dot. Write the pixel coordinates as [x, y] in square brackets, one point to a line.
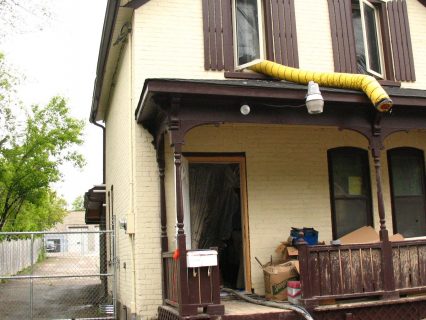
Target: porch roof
[218, 101]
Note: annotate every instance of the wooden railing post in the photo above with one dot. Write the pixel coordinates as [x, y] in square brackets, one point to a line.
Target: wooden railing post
[185, 306]
[305, 281]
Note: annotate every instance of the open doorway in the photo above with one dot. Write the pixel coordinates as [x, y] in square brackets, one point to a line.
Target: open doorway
[218, 214]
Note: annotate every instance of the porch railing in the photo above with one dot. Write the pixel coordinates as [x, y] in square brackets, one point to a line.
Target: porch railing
[188, 289]
[383, 269]
[171, 270]
[409, 265]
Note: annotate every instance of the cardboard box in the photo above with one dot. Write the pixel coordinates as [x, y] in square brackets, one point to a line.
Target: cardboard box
[287, 251]
[366, 235]
[276, 278]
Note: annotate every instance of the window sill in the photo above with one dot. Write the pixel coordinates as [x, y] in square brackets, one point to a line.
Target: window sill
[390, 83]
[246, 75]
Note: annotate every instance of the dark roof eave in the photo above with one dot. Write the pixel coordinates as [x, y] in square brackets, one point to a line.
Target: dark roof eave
[107, 31]
[265, 89]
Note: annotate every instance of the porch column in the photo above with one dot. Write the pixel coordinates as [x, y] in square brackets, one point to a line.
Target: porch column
[163, 210]
[387, 260]
[185, 308]
[375, 146]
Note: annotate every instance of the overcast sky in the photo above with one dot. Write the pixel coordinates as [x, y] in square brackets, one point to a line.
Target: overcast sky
[60, 59]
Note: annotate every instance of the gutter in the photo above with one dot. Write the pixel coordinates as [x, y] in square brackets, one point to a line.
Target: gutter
[107, 31]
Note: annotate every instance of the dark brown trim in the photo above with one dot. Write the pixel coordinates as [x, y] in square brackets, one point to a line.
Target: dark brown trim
[423, 2]
[108, 28]
[245, 75]
[135, 4]
[390, 83]
[268, 31]
[228, 38]
[386, 43]
[342, 36]
[163, 208]
[217, 31]
[280, 32]
[213, 154]
[401, 40]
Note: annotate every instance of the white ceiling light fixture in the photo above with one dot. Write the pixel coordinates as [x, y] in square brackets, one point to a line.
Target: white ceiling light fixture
[245, 109]
[314, 99]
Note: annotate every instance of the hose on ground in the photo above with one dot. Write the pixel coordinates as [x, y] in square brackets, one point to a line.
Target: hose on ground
[280, 305]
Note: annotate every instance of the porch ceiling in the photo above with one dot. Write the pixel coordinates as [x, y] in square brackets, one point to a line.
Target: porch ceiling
[164, 101]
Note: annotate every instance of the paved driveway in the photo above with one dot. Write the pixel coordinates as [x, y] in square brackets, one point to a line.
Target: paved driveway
[62, 298]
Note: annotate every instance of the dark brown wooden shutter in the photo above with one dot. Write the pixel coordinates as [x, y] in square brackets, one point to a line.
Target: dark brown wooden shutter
[402, 51]
[218, 42]
[280, 29]
[342, 36]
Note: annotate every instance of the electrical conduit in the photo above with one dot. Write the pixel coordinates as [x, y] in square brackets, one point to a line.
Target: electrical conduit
[366, 83]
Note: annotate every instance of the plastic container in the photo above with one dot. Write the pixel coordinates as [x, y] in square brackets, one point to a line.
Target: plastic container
[294, 292]
[310, 235]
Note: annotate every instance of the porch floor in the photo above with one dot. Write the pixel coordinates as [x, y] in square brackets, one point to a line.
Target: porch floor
[409, 308]
[239, 307]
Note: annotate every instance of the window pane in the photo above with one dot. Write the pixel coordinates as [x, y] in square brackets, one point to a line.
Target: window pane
[372, 38]
[350, 215]
[350, 190]
[406, 174]
[406, 169]
[348, 175]
[410, 216]
[359, 38]
[247, 25]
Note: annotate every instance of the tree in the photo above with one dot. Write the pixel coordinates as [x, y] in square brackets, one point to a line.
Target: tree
[19, 16]
[78, 204]
[32, 149]
[49, 211]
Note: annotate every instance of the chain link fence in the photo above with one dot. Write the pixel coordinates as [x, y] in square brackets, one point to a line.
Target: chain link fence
[68, 275]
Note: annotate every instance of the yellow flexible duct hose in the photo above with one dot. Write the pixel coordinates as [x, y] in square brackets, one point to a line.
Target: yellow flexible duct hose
[368, 84]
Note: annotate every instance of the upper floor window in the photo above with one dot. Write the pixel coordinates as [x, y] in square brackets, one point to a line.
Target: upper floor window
[237, 32]
[368, 41]
[407, 177]
[372, 37]
[248, 31]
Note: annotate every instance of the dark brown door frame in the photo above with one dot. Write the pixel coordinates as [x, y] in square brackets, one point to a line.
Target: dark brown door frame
[240, 159]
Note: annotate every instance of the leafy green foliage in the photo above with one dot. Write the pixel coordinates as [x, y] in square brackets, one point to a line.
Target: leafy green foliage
[32, 149]
[78, 204]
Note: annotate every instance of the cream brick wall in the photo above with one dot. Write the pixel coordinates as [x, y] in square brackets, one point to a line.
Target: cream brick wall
[287, 178]
[169, 40]
[417, 17]
[118, 173]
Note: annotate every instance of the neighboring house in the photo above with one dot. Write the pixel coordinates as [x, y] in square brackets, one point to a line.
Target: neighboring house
[200, 153]
[81, 242]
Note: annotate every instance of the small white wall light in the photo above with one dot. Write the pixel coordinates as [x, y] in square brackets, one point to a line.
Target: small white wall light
[123, 224]
[245, 109]
[314, 99]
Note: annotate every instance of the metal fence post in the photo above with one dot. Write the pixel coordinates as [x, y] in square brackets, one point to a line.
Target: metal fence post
[31, 279]
[114, 267]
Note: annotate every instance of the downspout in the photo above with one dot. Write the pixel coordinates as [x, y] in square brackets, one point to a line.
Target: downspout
[133, 240]
[366, 83]
[103, 149]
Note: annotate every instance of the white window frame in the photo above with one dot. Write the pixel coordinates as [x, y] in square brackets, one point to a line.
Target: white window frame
[260, 20]
[378, 35]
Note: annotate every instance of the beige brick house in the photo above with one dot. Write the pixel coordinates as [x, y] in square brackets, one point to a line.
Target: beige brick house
[201, 152]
